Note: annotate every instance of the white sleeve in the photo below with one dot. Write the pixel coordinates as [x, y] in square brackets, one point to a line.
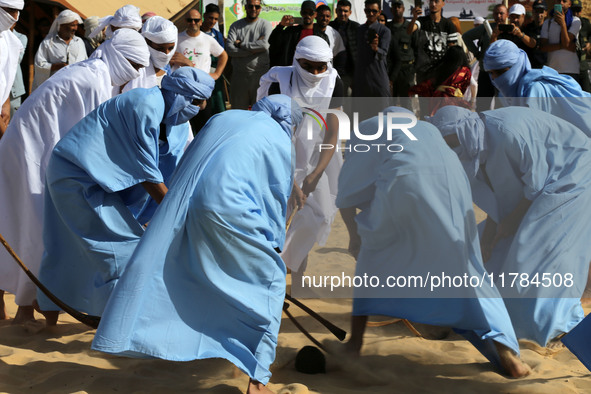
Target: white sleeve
[214, 47]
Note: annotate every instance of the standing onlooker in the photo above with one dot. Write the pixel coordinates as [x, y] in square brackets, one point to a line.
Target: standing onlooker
[194, 50]
[534, 29]
[486, 90]
[348, 31]
[433, 32]
[334, 38]
[285, 37]
[515, 34]
[127, 17]
[584, 49]
[559, 40]
[18, 87]
[371, 71]
[402, 66]
[91, 44]
[210, 19]
[60, 48]
[248, 46]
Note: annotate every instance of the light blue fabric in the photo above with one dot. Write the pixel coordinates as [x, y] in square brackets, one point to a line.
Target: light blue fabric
[537, 156]
[170, 153]
[180, 88]
[93, 176]
[544, 89]
[205, 280]
[418, 217]
[283, 109]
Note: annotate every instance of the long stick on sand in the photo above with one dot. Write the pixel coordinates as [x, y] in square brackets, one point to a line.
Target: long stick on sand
[90, 321]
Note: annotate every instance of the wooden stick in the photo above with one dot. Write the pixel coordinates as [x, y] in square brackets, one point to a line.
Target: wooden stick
[90, 321]
[412, 328]
[338, 332]
[290, 218]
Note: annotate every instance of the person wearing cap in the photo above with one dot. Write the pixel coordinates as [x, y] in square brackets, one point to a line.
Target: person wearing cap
[559, 41]
[535, 175]
[127, 17]
[106, 166]
[479, 34]
[401, 53]
[533, 29]
[373, 42]
[195, 295]
[285, 37]
[59, 48]
[416, 216]
[516, 35]
[147, 15]
[43, 118]
[584, 47]
[348, 30]
[248, 46]
[434, 30]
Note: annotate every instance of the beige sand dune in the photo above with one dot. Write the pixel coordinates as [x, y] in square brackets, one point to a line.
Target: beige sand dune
[393, 360]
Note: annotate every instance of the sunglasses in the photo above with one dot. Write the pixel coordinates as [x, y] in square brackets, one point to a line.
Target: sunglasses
[256, 7]
[194, 20]
[370, 11]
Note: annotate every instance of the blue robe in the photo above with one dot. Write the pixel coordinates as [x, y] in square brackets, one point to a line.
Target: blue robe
[547, 90]
[206, 280]
[94, 176]
[546, 160]
[417, 217]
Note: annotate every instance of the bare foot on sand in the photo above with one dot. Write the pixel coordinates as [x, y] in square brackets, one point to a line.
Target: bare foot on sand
[257, 387]
[50, 316]
[24, 314]
[556, 343]
[511, 363]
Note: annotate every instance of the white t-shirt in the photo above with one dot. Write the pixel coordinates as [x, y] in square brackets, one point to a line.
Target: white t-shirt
[336, 42]
[198, 49]
[562, 60]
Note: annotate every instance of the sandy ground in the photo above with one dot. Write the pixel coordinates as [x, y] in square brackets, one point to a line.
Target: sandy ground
[393, 360]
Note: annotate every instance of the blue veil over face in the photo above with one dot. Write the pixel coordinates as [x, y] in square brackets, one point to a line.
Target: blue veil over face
[179, 89]
[282, 109]
[502, 54]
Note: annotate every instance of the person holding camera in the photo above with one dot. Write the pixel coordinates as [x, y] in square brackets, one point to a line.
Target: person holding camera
[512, 31]
[373, 41]
[559, 40]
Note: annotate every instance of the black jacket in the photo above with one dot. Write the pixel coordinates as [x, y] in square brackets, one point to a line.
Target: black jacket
[283, 42]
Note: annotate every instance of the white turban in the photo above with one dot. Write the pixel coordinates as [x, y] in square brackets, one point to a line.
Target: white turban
[314, 49]
[127, 16]
[125, 45]
[90, 24]
[160, 30]
[64, 17]
[16, 4]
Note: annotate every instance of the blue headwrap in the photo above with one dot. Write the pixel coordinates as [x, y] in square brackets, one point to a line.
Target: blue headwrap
[180, 88]
[501, 54]
[469, 128]
[282, 109]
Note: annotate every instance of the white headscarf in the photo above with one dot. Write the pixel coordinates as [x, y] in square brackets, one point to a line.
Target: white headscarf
[127, 16]
[64, 17]
[126, 45]
[298, 83]
[6, 20]
[160, 31]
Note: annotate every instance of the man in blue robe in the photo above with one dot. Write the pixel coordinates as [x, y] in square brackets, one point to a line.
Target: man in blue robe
[206, 280]
[416, 217]
[537, 172]
[544, 89]
[99, 173]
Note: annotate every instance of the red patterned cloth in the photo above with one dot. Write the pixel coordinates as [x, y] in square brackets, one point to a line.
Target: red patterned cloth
[450, 92]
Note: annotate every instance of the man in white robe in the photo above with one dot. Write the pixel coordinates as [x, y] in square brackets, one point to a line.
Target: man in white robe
[10, 49]
[60, 48]
[127, 17]
[41, 121]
